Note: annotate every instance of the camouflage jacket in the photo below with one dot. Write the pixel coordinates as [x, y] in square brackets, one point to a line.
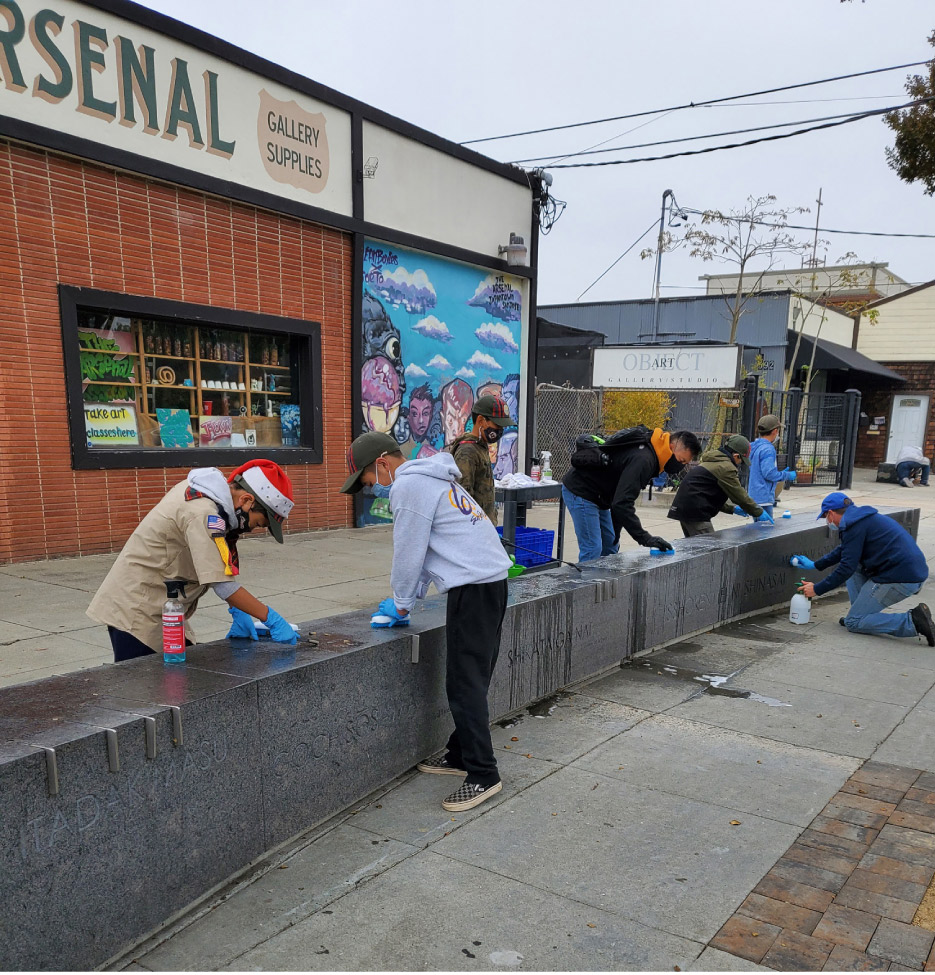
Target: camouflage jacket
[473, 460]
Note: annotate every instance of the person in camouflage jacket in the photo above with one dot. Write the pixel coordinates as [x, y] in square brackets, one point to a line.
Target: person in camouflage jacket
[471, 451]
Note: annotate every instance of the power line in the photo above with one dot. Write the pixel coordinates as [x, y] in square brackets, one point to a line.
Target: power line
[619, 259]
[749, 142]
[593, 151]
[821, 230]
[709, 101]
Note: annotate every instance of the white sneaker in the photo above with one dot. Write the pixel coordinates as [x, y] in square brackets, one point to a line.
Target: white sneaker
[907, 482]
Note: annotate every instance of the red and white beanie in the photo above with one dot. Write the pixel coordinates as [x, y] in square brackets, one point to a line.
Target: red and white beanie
[271, 487]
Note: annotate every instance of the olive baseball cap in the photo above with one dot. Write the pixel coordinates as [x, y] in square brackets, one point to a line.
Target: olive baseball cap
[363, 451]
[494, 409]
[738, 445]
[768, 423]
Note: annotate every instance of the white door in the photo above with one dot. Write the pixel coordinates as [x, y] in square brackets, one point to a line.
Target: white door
[907, 424]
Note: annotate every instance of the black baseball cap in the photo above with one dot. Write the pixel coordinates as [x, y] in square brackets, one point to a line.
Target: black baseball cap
[363, 451]
[737, 444]
[494, 409]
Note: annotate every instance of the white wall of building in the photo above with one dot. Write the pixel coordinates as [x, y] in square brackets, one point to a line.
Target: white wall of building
[904, 330]
[419, 190]
[842, 280]
[821, 322]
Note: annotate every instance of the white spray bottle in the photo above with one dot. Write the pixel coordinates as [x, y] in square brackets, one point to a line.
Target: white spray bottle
[800, 609]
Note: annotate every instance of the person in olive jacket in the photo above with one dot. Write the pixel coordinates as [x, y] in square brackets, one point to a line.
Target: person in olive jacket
[471, 451]
[602, 500]
[714, 486]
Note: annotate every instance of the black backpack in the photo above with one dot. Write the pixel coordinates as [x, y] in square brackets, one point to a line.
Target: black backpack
[590, 450]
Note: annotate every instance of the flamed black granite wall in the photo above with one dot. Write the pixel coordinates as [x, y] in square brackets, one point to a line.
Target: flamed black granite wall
[128, 791]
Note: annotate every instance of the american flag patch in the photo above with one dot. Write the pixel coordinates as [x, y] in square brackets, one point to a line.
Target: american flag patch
[217, 525]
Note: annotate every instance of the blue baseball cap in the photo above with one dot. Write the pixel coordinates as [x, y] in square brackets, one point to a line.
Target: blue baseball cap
[835, 500]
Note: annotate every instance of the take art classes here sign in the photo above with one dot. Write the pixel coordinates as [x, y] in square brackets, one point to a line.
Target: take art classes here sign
[667, 367]
[75, 69]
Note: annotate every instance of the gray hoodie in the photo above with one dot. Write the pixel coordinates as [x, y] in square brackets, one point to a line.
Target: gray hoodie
[440, 535]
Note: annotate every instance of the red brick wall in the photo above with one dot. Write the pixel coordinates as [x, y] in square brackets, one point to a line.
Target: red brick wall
[877, 399]
[67, 222]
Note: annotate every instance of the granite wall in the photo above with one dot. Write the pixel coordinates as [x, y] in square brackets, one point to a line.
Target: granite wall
[128, 791]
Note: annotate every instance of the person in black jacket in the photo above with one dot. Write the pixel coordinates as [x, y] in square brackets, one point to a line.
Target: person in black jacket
[602, 500]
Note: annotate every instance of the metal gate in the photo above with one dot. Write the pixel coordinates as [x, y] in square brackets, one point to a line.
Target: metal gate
[819, 435]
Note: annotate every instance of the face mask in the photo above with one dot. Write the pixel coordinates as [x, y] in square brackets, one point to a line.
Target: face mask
[833, 527]
[380, 490]
[673, 466]
[492, 435]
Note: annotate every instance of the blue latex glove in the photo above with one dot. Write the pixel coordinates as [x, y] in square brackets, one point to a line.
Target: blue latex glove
[766, 516]
[279, 630]
[387, 615]
[802, 562]
[242, 628]
[739, 511]
[789, 474]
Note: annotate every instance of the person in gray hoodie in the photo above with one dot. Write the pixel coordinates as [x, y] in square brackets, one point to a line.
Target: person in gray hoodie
[442, 536]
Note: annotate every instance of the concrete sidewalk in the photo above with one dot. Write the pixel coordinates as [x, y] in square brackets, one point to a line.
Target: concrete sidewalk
[705, 808]
[44, 629]
[760, 797]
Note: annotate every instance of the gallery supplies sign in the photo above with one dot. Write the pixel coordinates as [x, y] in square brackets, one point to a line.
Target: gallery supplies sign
[667, 367]
[78, 70]
[110, 425]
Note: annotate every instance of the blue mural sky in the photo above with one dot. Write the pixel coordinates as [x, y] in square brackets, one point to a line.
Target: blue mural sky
[455, 322]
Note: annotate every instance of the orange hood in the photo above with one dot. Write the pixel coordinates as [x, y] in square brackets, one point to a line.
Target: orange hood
[660, 443]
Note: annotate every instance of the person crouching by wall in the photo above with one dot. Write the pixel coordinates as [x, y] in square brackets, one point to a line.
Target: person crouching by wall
[442, 536]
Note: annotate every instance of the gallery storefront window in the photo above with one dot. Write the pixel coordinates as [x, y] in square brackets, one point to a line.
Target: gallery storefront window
[148, 377]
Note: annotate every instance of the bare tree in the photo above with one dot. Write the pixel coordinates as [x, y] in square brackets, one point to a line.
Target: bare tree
[753, 239]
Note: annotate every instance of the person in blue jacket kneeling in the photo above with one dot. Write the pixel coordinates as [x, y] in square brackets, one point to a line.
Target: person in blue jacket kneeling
[766, 480]
[879, 562]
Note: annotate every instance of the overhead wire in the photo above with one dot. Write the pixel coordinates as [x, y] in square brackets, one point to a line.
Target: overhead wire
[698, 104]
[748, 142]
[619, 259]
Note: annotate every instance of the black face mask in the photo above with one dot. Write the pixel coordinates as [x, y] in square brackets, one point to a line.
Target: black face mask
[492, 434]
[673, 467]
[243, 525]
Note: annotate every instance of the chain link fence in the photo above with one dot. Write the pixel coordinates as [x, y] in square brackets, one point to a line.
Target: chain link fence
[562, 414]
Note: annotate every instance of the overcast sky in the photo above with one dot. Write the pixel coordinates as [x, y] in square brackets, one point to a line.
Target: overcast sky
[467, 71]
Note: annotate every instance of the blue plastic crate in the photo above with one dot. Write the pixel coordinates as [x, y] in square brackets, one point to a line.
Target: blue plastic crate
[535, 545]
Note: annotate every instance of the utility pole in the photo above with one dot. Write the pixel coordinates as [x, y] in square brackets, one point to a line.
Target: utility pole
[814, 260]
[662, 222]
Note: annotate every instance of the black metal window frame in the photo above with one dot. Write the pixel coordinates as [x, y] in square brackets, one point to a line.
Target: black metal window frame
[73, 299]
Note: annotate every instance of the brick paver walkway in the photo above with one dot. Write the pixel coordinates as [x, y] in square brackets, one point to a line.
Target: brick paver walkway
[844, 895]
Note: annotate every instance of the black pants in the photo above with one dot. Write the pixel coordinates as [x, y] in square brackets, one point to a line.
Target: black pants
[127, 647]
[472, 630]
[692, 528]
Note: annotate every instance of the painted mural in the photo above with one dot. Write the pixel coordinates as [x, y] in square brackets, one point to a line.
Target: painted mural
[436, 336]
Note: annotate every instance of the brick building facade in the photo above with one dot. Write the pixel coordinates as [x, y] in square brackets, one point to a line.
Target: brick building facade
[246, 210]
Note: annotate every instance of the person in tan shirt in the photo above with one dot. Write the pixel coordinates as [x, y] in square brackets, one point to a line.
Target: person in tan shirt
[191, 537]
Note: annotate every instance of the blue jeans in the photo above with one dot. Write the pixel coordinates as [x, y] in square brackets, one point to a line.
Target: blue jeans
[908, 469]
[869, 599]
[593, 527]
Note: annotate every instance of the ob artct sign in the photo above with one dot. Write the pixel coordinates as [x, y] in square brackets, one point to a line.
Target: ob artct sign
[666, 367]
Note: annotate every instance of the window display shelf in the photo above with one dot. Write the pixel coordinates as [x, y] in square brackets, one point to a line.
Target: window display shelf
[176, 358]
[109, 382]
[257, 365]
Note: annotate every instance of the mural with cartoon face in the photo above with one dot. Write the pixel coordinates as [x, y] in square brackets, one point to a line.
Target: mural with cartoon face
[436, 335]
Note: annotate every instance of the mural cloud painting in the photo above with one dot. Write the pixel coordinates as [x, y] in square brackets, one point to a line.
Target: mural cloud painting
[466, 373]
[498, 298]
[496, 336]
[415, 372]
[485, 361]
[438, 362]
[432, 328]
[413, 291]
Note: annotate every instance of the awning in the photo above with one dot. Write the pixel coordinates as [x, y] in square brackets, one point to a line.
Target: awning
[830, 355]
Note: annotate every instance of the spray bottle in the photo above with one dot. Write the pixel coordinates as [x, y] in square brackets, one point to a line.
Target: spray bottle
[173, 624]
[800, 609]
[546, 461]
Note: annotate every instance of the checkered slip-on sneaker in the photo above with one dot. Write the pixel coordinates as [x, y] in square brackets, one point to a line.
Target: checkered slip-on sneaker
[440, 766]
[470, 795]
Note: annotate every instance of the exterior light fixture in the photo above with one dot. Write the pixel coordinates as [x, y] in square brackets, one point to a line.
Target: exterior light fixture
[515, 250]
